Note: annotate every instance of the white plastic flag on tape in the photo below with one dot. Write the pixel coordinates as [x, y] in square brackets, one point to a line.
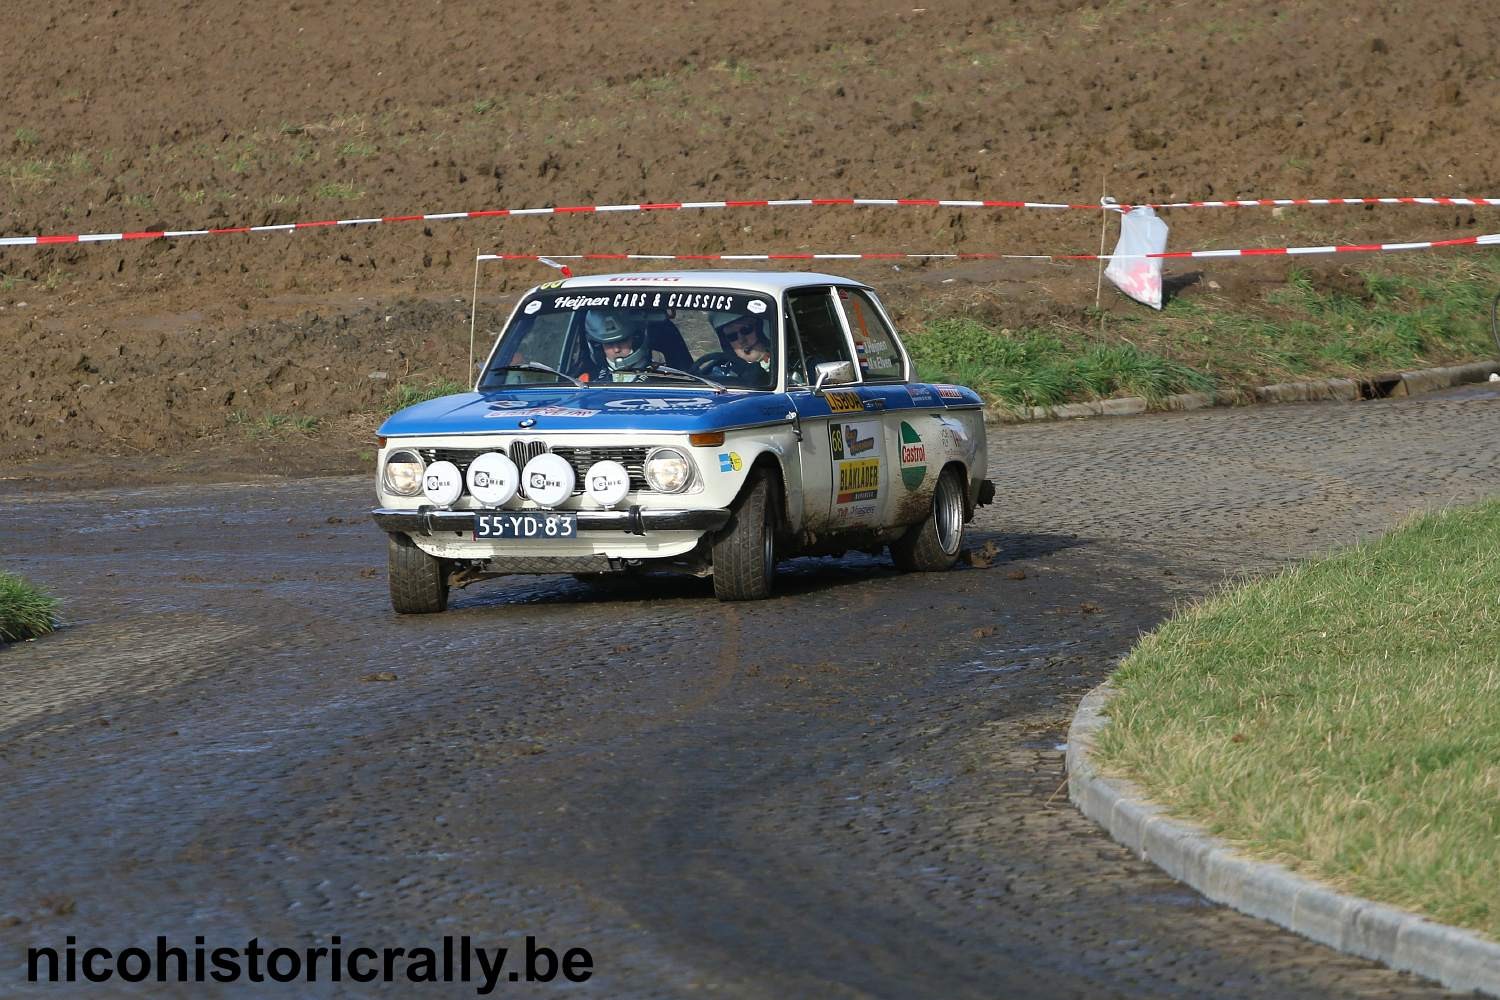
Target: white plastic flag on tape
[1141, 232]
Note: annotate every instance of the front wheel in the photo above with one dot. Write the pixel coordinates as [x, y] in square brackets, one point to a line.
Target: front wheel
[419, 582]
[745, 555]
[933, 545]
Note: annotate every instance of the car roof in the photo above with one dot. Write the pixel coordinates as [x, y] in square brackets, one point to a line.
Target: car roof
[770, 282]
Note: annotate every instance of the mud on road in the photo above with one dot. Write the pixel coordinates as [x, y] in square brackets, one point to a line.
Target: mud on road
[853, 789]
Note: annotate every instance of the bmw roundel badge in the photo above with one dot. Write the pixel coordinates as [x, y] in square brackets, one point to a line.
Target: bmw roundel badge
[529, 422]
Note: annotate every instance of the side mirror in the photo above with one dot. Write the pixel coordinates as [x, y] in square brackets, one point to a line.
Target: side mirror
[835, 372]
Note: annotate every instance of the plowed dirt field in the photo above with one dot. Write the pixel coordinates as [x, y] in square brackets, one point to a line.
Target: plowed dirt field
[174, 357]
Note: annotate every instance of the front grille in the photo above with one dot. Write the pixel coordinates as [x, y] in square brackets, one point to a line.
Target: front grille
[521, 452]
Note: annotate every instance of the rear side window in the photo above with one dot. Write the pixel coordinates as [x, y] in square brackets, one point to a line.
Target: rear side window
[874, 344]
[815, 324]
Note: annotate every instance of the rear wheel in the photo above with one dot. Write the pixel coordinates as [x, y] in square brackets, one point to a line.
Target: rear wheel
[933, 545]
[419, 582]
[745, 554]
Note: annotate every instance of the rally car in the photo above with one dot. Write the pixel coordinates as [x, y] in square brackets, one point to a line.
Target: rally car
[711, 423]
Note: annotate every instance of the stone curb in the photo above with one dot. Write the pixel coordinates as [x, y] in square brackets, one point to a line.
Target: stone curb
[1345, 389]
[1458, 959]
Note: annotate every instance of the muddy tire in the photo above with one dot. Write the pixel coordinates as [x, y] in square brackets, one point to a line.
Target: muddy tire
[745, 555]
[933, 545]
[419, 582]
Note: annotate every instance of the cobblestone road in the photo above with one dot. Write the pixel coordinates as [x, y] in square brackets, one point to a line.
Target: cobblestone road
[854, 789]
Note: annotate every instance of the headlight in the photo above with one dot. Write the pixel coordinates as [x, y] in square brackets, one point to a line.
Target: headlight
[403, 473]
[668, 470]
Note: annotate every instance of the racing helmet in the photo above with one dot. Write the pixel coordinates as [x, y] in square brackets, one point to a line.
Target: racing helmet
[616, 327]
[721, 320]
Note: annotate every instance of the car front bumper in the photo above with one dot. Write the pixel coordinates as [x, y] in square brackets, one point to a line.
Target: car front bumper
[631, 521]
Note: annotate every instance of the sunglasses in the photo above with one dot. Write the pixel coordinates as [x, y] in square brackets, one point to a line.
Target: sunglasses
[742, 330]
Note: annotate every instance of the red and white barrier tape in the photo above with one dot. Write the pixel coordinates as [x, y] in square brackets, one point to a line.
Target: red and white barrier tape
[679, 206]
[1301, 202]
[1492, 239]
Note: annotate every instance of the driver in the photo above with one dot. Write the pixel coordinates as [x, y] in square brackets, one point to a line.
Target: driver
[748, 357]
[619, 345]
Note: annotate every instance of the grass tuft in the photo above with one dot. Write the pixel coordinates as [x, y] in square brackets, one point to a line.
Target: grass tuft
[411, 393]
[25, 611]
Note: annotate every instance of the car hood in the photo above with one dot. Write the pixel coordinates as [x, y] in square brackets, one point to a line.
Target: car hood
[684, 410]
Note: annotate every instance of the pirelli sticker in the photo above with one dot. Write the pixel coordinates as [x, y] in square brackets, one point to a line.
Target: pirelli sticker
[844, 402]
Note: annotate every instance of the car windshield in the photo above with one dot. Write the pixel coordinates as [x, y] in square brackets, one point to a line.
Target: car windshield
[634, 336]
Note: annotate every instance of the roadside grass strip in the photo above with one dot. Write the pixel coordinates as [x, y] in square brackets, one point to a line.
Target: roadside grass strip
[1341, 718]
[1038, 368]
[25, 611]
[1382, 319]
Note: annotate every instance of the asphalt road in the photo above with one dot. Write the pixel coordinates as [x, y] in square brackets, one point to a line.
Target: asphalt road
[853, 789]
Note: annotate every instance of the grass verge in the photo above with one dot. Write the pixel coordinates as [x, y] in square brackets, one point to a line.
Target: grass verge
[25, 611]
[1348, 324]
[1342, 717]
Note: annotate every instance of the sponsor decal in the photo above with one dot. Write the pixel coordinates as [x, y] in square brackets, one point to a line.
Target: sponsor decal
[922, 395]
[730, 461]
[843, 402]
[550, 284]
[657, 404]
[854, 512]
[522, 410]
[913, 457]
[640, 278]
[756, 306]
[702, 300]
[577, 302]
[948, 391]
[856, 445]
[858, 480]
[955, 438]
[533, 307]
[630, 300]
[877, 403]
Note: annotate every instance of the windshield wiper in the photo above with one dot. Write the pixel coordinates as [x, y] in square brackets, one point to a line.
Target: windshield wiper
[535, 366]
[661, 369]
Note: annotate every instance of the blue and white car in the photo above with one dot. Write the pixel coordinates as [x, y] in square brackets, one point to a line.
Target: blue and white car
[758, 416]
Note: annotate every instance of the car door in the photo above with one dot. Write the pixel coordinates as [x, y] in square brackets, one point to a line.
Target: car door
[910, 412]
[845, 473]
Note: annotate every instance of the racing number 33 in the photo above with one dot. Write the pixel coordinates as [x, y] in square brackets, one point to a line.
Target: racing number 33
[525, 525]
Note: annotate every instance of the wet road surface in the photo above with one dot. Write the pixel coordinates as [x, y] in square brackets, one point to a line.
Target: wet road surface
[853, 789]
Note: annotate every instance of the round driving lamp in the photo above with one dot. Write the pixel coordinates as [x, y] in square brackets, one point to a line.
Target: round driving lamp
[606, 483]
[547, 480]
[403, 472]
[442, 483]
[668, 470]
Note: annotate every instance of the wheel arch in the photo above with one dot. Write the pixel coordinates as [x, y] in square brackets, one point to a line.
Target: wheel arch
[968, 486]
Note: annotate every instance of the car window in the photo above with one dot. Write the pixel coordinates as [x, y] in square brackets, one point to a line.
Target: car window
[725, 335]
[874, 344]
[816, 327]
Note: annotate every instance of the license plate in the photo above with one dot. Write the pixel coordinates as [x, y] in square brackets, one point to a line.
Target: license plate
[525, 525]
